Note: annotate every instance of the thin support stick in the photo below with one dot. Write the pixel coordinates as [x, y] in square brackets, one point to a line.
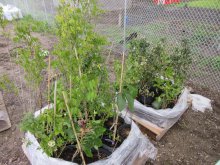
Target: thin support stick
[120, 90]
[80, 75]
[122, 71]
[48, 91]
[75, 154]
[125, 15]
[109, 54]
[74, 130]
[48, 84]
[79, 68]
[70, 87]
[55, 101]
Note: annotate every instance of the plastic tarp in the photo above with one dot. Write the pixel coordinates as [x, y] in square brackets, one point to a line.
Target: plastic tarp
[136, 149]
[11, 12]
[200, 103]
[165, 118]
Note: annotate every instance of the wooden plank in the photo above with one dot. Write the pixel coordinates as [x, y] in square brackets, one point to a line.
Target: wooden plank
[4, 119]
[158, 137]
[152, 127]
[152, 130]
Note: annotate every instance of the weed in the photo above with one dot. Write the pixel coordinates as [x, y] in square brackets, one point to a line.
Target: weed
[36, 25]
[7, 85]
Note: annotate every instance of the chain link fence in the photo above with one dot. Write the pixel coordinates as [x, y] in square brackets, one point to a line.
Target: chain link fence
[198, 21]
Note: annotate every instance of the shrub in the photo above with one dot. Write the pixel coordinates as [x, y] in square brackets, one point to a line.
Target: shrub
[156, 71]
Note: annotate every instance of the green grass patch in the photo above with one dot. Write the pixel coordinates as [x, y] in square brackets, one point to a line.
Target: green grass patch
[210, 4]
[152, 32]
[36, 25]
[213, 62]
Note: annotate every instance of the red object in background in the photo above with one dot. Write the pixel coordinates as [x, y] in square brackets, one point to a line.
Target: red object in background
[166, 2]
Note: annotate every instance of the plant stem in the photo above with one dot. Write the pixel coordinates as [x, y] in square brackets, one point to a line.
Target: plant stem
[120, 90]
[74, 130]
[80, 75]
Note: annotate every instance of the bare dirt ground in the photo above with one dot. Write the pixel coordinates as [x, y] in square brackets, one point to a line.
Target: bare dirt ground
[195, 139]
[17, 105]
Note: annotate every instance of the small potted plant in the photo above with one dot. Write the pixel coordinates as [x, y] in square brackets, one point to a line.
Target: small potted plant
[158, 73]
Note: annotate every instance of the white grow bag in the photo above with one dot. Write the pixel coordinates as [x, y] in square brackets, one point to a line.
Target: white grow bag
[11, 12]
[164, 118]
[136, 149]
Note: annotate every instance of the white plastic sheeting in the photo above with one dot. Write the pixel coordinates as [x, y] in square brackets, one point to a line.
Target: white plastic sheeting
[165, 118]
[11, 12]
[200, 103]
[135, 149]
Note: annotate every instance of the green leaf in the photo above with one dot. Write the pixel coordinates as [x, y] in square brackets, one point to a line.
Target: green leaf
[87, 151]
[121, 102]
[130, 101]
[133, 91]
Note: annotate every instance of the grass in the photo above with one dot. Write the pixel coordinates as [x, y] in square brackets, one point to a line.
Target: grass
[115, 32]
[37, 26]
[210, 4]
[213, 62]
[157, 30]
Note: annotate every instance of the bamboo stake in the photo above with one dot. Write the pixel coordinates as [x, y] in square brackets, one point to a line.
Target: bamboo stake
[48, 91]
[109, 54]
[122, 67]
[55, 101]
[74, 130]
[80, 74]
[48, 84]
[79, 68]
[120, 90]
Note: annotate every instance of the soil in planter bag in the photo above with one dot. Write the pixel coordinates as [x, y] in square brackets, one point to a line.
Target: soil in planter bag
[163, 118]
[136, 149]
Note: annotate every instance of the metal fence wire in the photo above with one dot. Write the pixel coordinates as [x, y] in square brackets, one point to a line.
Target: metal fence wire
[195, 20]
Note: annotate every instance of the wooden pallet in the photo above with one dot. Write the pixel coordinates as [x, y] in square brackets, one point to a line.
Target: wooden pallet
[151, 129]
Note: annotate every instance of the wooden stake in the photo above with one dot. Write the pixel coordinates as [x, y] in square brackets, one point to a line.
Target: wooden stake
[48, 84]
[55, 101]
[48, 91]
[74, 130]
[120, 90]
[109, 54]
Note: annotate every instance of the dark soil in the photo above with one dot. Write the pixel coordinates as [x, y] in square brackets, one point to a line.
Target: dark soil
[109, 145]
[68, 152]
[195, 139]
